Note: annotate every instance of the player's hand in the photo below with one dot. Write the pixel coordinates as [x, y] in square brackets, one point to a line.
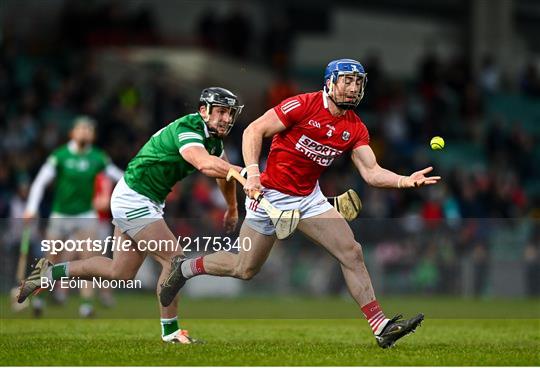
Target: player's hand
[101, 203]
[418, 179]
[28, 217]
[230, 219]
[253, 185]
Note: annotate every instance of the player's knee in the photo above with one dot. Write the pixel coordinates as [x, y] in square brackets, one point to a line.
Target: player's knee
[245, 273]
[354, 255]
[119, 274]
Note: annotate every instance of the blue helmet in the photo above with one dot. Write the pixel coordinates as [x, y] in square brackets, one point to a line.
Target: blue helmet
[339, 67]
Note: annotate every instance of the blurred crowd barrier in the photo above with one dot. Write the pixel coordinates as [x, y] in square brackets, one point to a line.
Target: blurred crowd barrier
[470, 257]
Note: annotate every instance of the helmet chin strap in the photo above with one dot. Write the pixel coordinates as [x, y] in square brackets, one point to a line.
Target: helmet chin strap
[334, 101]
[330, 90]
[345, 106]
[211, 131]
[340, 105]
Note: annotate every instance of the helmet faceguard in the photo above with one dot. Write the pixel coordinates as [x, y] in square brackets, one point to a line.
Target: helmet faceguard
[345, 68]
[217, 96]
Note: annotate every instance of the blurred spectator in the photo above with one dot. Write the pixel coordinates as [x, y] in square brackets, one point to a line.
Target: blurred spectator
[278, 41]
[532, 263]
[376, 83]
[84, 24]
[281, 88]
[237, 33]
[490, 75]
[472, 112]
[426, 274]
[480, 257]
[530, 81]
[209, 28]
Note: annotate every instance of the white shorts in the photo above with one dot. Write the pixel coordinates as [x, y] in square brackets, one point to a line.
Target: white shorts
[309, 206]
[132, 211]
[63, 226]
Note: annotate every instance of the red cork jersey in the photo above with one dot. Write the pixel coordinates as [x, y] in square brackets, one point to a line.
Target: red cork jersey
[313, 139]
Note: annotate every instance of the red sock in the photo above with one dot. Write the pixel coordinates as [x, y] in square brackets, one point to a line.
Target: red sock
[375, 316]
[193, 267]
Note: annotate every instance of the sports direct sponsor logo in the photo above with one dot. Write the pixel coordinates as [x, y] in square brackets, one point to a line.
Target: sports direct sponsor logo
[321, 154]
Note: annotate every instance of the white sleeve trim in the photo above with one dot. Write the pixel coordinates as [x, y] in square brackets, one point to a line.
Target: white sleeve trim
[114, 172]
[46, 174]
[186, 136]
[190, 145]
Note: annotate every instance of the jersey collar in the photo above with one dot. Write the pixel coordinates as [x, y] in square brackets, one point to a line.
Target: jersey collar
[325, 100]
[72, 147]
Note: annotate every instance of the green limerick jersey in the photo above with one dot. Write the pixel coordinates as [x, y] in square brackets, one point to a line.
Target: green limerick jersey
[159, 164]
[75, 175]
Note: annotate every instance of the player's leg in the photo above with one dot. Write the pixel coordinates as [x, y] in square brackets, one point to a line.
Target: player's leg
[86, 229]
[56, 230]
[142, 219]
[104, 229]
[163, 243]
[254, 251]
[164, 249]
[123, 266]
[255, 240]
[330, 230]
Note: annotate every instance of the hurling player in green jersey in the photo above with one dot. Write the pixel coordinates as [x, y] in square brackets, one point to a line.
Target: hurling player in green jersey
[73, 167]
[191, 143]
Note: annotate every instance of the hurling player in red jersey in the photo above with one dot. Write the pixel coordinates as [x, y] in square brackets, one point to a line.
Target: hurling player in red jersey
[308, 132]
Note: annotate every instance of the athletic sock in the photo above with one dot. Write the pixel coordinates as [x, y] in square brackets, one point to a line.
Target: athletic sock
[375, 316]
[87, 301]
[59, 270]
[86, 309]
[169, 326]
[193, 267]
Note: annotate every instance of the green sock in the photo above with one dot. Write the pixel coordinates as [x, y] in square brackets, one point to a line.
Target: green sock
[60, 270]
[87, 301]
[169, 325]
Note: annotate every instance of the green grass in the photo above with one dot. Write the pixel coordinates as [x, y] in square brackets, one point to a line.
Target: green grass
[268, 307]
[266, 337]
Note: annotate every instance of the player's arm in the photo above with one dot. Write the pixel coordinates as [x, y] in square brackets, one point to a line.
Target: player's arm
[207, 164]
[46, 174]
[265, 126]
[102, 192]
[228, 189]
[376, 176]
[110, 169]
[113, 171]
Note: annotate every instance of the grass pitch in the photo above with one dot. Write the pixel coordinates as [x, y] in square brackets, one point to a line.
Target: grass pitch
[272, 332]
